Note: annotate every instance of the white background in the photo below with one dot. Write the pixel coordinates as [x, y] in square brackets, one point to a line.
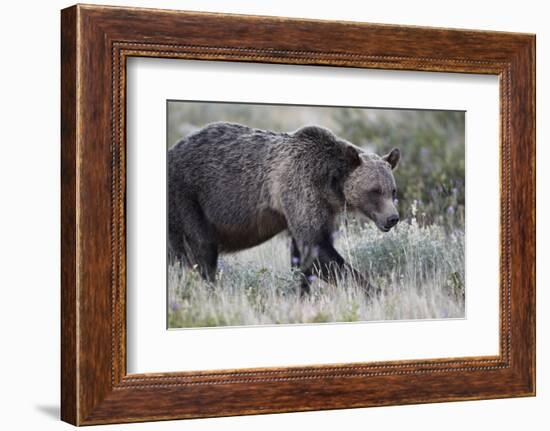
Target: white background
[151, 348]
[29, 225]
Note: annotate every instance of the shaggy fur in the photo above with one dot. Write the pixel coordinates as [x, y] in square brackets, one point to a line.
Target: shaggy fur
[231, 187]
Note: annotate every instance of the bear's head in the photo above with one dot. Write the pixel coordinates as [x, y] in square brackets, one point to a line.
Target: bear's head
[370, 189]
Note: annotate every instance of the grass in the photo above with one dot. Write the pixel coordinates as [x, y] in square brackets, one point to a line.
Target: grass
[419, 269]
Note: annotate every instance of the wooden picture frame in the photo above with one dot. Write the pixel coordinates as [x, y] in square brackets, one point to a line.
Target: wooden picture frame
[95, 43]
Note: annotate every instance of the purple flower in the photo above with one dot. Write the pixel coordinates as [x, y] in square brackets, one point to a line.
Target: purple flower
[295, 260]
[450, 210]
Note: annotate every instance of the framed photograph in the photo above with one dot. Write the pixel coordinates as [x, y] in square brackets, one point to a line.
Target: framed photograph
[263, 214]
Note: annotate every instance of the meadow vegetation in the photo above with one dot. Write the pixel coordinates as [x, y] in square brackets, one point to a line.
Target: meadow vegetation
[418, 269]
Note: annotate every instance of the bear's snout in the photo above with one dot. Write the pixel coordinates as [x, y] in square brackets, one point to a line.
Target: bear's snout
[391, 221]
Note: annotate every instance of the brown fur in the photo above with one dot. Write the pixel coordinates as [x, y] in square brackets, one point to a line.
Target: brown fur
[231, 187]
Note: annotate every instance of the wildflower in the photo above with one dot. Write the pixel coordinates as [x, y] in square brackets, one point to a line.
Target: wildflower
[414, 207]
[450, 210]
[175, 306]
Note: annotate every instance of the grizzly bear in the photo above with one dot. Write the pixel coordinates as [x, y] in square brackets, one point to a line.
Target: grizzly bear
[231, 187]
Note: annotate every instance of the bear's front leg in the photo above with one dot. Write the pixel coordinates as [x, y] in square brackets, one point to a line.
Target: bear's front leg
[296, 264]
[310, 223]
[321, 259]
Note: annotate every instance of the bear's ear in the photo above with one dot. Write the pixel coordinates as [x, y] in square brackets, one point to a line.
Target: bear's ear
[393, 157]
[352, 157]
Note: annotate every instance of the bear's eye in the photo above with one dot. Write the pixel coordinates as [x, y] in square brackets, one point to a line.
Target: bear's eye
[376, 191]
[394, 194]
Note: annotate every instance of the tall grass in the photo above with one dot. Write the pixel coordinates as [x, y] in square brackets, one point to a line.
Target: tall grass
[419, 270]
